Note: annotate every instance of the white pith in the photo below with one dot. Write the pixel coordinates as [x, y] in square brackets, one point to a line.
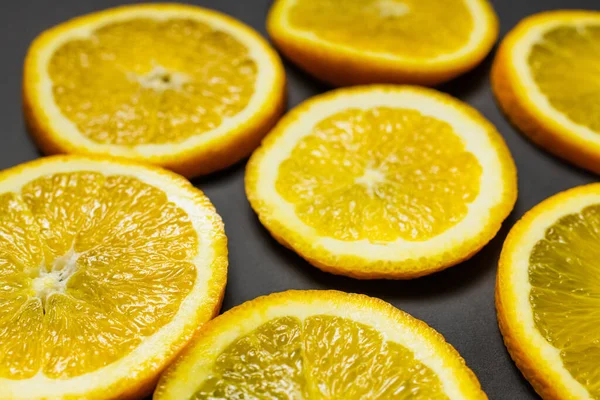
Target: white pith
[391, 8]
[370, 179]
[54, 278]
[161, 79]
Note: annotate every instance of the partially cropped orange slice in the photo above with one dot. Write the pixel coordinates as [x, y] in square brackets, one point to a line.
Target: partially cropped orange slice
[547, 80]
[107, 268]
[316, 345]
[382, 181]
[180, 86]
[423, 42]
[548, 295]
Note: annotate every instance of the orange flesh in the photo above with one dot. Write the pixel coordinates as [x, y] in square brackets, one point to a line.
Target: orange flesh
[411, 28]
[565, 293]
[380, 174]
[90, 265]
[144, 81]
[565, 65]
[323, 357]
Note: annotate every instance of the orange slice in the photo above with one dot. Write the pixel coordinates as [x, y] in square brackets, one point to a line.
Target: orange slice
[548, 295]
[547, 80]
[318, 345]
[382, 181]
[179, 86]
[107, 268]
[423, 42]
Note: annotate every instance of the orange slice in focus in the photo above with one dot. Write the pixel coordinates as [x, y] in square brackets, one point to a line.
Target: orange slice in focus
[107, 268]
[318, 345]
[382, 181]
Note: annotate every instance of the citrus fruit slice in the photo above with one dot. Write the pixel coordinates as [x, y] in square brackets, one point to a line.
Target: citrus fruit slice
[107, 268]
[548, 295]
[382, 181]
[546, 79]
[318, 345]
[423, 42]
[179, 86]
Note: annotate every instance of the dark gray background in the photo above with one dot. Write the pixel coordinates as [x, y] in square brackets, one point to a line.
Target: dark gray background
[458, 302]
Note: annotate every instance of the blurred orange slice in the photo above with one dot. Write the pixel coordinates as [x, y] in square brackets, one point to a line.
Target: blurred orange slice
[546, 77]
[423, 42]
[179, 86]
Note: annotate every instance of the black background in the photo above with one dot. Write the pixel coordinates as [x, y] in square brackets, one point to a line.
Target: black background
[458, 302]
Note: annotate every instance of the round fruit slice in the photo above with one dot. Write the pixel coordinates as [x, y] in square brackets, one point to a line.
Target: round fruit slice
[382, 181]
[107, 268]
[546, 78]
[422, 42]
[179, 86]
[318, 345]
[548, 295]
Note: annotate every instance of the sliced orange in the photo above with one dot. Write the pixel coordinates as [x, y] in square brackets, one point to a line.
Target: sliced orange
[107, 268]
[547, 80]
[382, 181]
[423, 42]
[318, 345]
[179, 86]
[548, 295]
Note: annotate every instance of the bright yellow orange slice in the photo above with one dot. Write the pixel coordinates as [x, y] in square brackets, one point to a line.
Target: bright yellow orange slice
[318, 345]
[547, 80]
[548, 295]
[180, 86]
[423, 42]
[107, 268]
[382, 181]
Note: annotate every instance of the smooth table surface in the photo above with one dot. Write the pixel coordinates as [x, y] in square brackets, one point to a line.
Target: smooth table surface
[458, 302]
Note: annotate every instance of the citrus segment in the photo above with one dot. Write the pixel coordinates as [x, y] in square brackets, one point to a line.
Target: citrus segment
[342, 355]
[315, 345]
[548, 294]
[546, 79]
[174, 85]
[267, 363]
[380, 174]
[383, 41]
[382, 181]
[98, 257]
[21, 346]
